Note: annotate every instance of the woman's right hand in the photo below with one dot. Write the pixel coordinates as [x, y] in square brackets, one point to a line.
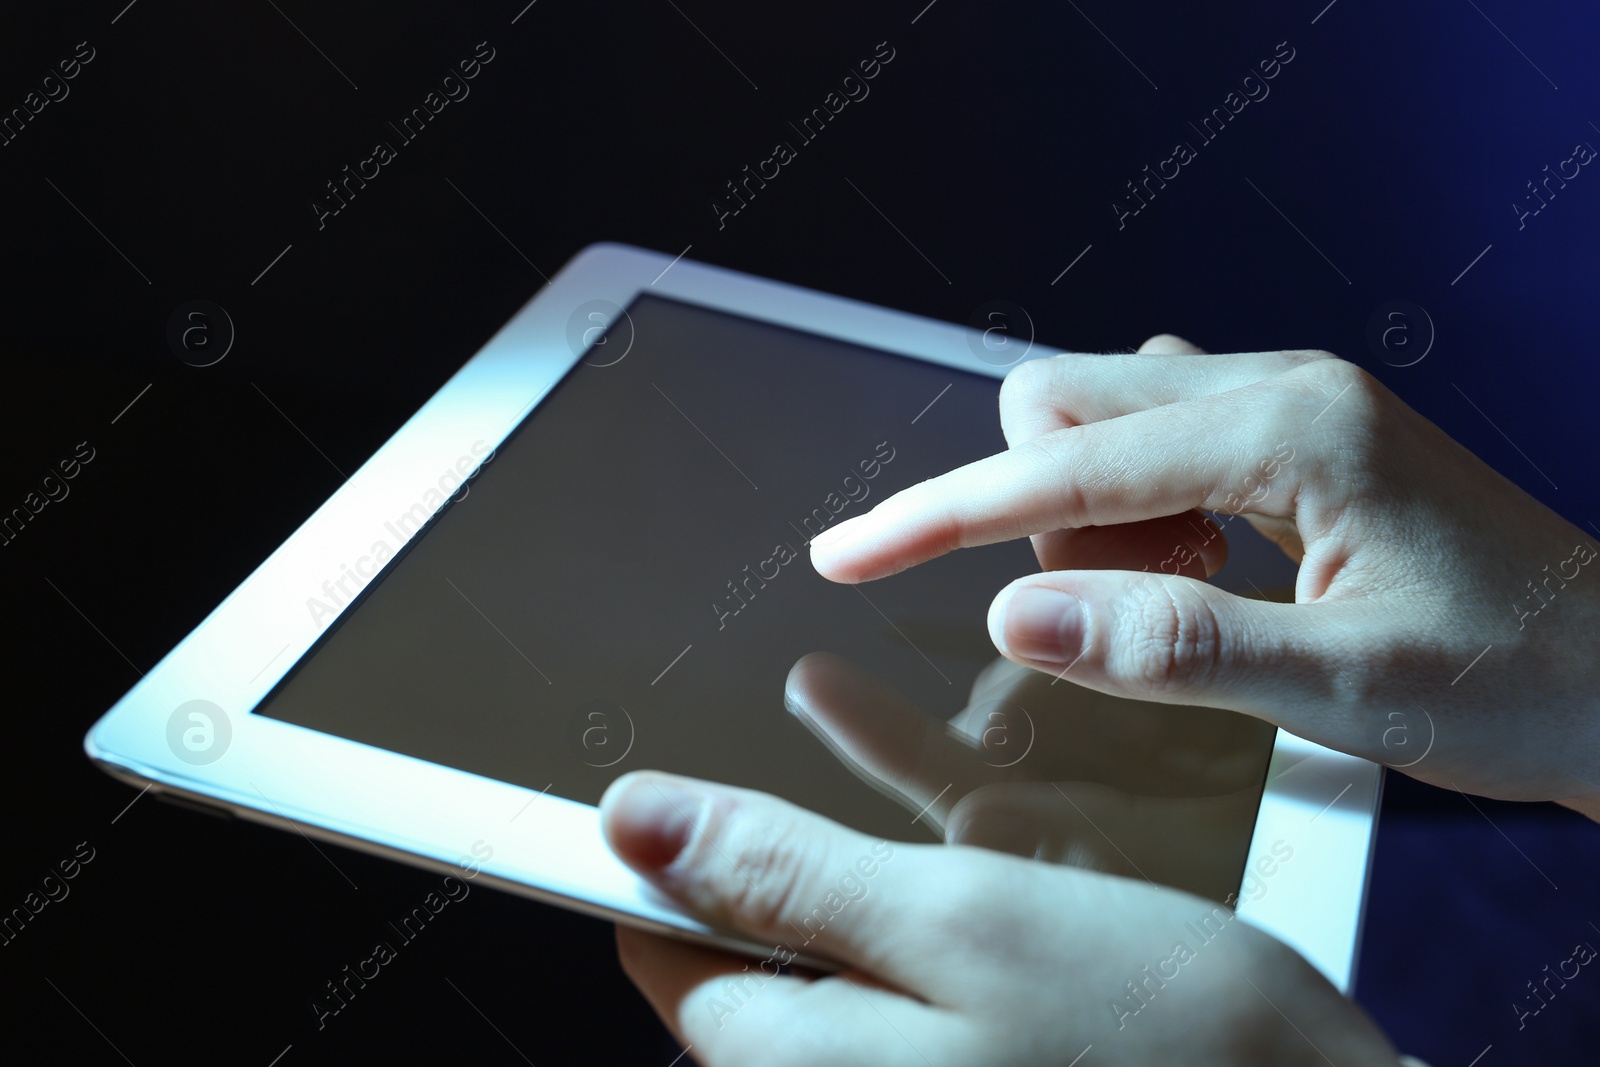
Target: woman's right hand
[1445, 621]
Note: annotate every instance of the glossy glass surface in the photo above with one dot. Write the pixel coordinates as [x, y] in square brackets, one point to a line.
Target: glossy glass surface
[624, 585]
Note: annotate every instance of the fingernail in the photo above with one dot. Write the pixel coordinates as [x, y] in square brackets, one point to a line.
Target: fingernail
[651, 820]
[1042, 625]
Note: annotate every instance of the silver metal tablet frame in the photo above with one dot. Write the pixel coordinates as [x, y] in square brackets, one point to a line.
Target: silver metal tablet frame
[1318, 805]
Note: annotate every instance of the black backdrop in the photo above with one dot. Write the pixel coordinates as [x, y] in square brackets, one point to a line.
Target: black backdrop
[183, 159]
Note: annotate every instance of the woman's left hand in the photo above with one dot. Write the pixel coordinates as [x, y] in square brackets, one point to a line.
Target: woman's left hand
[950, 955]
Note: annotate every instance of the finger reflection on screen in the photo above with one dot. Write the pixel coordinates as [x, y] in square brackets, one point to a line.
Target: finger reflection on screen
[1052, 771]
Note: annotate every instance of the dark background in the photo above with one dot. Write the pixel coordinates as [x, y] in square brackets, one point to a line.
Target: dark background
[186, 158]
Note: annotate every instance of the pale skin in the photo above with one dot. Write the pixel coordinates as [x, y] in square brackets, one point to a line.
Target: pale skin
[1433, 596]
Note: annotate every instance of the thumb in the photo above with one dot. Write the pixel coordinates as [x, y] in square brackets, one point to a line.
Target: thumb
[773, 872]
[1171, 639]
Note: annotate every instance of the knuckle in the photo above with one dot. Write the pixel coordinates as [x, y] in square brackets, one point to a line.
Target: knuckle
[1027, 388]
[1328, 379]
[936, 513]
[1336, 397]
[1027, 378]
[965, 891]
[1169, 640]
[1052, 457]
[759, 865]
[963, 912]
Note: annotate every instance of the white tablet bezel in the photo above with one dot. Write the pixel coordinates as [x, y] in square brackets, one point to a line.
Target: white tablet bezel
[1319, 804]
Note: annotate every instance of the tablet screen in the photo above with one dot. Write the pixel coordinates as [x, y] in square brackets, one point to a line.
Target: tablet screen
[625, 585]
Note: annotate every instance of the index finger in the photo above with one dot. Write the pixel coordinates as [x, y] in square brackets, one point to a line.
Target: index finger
[1215, 453]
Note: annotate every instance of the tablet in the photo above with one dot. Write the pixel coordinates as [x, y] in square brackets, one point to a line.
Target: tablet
[587, 554]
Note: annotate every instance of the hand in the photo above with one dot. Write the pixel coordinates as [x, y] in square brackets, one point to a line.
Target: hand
[1444, 620]
[952, 955]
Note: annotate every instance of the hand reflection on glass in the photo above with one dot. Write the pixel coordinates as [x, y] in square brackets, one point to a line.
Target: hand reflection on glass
[1053, 771]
